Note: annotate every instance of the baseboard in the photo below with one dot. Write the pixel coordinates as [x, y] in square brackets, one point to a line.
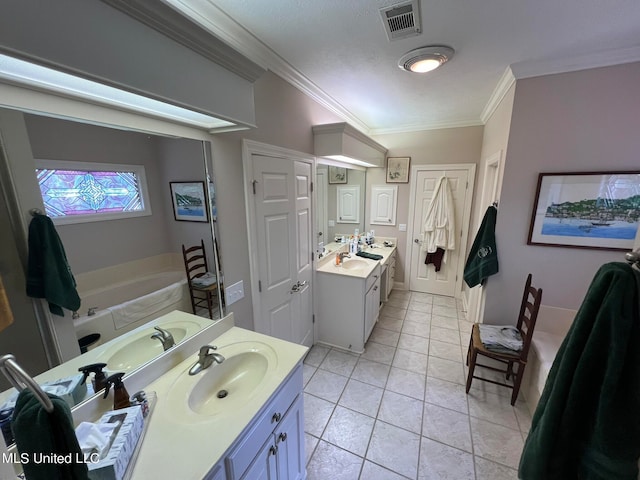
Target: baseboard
[399, 285]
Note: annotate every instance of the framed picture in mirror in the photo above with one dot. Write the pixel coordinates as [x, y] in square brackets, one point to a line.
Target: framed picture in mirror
[337, 175]
[398, 169]
[189, 201]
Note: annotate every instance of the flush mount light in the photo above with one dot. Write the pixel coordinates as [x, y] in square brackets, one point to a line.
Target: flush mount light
[425, 59]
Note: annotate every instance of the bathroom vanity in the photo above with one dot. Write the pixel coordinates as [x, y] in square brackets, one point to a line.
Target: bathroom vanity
[349, 298]
[242, 418]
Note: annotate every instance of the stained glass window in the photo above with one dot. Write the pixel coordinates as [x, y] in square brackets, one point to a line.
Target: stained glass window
[76, 192]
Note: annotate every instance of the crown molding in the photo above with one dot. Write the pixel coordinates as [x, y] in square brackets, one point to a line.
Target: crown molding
[419, 127]
[181, 29]
[503, 86]
[571, 64]
[218, 23]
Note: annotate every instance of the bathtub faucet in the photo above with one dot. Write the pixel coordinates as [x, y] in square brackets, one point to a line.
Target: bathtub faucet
[165, 338]
[92, 311]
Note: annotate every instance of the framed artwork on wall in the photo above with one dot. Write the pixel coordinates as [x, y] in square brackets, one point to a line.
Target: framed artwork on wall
[189, 201]
[598, 210]
[398, 169]
[337, 174]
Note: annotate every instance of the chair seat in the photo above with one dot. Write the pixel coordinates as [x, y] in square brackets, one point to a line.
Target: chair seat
[209, 288]
[478, 345]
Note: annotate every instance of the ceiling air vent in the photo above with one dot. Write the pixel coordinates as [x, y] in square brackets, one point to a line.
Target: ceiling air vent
[402, 20]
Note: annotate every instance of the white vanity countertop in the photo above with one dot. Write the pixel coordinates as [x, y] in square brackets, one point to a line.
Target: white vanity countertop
[183, 444]
[330, 265]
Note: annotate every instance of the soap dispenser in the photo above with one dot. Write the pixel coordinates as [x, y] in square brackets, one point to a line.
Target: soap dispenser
[120, 394]
[99, 378]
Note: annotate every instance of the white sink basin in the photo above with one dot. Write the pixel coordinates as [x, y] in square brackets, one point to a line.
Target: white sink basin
[135, 350]
[355, 264]
[224, 386]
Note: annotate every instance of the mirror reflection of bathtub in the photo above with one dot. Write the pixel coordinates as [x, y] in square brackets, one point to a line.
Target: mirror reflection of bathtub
[130, 269]
[130, 295]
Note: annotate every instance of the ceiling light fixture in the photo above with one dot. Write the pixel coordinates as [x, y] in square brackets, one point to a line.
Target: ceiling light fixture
[425, 59]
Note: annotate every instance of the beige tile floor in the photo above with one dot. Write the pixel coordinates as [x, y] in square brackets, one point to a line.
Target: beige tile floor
[400, 410]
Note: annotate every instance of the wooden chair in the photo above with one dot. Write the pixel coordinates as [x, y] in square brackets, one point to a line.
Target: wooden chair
[195, 264]
[526, 324]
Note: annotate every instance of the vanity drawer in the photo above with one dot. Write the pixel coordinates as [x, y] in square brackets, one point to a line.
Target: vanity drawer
[372, 278]
[244, 452]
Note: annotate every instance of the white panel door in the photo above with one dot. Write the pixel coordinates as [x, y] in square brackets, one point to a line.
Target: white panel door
[284, 237]
[303, 326]
[424, 278]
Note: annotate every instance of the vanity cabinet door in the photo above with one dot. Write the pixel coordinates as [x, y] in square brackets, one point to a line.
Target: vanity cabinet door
[371, 308]
[216, 473]
[264, 465]
[289, 438]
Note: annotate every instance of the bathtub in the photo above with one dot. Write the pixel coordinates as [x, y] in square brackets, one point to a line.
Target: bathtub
[130, 303]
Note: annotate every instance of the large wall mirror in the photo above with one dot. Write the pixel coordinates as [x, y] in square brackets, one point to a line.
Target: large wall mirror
[341, 192]
[129, 271]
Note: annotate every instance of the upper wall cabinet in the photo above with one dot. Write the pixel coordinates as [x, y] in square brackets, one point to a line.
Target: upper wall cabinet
[383, 204]
[349, 204]
[340, 141]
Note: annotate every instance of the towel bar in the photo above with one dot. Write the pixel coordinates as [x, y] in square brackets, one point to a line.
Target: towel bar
[21, 380]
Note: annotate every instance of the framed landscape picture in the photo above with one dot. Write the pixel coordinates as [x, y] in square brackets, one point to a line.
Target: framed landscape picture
[586, 210]
[189, 201]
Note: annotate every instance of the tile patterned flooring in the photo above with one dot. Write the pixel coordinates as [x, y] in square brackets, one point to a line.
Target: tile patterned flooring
[399, 410]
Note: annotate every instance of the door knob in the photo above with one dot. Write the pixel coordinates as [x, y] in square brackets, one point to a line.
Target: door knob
[294, 289]
[417, 241]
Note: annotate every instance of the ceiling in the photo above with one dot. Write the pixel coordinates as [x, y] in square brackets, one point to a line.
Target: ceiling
[337, 51]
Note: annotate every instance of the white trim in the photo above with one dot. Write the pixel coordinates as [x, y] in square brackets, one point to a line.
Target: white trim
[471, 175]
[419, 127]
[100, 167]
[213, 19]
[42, 103]
[583, 62]
[503, 86]
[249, 148]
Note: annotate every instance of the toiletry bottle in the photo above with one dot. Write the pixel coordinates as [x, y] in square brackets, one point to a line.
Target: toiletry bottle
[99, 378]
[120, 394]
[337, 259]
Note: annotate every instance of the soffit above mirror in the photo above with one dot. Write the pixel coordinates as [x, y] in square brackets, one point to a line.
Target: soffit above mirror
[121, 52]
[340, 141]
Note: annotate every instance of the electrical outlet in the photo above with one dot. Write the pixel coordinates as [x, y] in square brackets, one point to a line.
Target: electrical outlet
[234, 292]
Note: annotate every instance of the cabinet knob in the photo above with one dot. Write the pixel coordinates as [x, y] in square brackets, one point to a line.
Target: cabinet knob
[375, 276]
[282, 437]
[273, 450]
[276, 417]
[375, 288]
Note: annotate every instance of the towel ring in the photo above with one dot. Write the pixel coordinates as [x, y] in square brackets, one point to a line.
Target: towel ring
[21, 380]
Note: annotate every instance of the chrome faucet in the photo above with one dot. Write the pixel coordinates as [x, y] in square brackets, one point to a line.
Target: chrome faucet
[205, 359]
[92, 311]
[343, 255]
[75, 315]
[165, 338]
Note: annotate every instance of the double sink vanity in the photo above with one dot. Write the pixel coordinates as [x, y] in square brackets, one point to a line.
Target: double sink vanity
[349, 294]
[238, 417]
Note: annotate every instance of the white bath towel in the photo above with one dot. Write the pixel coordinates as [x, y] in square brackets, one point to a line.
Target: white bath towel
[142, 307]
[500, 337]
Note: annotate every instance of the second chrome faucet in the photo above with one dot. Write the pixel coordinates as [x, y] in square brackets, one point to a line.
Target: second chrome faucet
[206, 359]
[165, 338]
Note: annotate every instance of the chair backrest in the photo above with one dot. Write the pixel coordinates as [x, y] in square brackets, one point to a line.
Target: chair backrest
[195, 261]
[528, 315]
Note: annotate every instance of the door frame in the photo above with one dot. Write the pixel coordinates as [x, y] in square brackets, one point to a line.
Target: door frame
[466, 217]
[250, 148]
[490, 192]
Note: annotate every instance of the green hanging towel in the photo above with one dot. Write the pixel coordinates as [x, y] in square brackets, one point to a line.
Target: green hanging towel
[587, 423]
[483, 258]
[48, 274]
[40, 434]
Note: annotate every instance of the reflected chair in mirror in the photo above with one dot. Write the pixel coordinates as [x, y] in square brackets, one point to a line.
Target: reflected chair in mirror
[203, 287]
[503, 354]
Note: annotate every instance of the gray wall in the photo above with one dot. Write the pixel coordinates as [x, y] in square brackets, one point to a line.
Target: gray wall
[94, 245]
[572, 122]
